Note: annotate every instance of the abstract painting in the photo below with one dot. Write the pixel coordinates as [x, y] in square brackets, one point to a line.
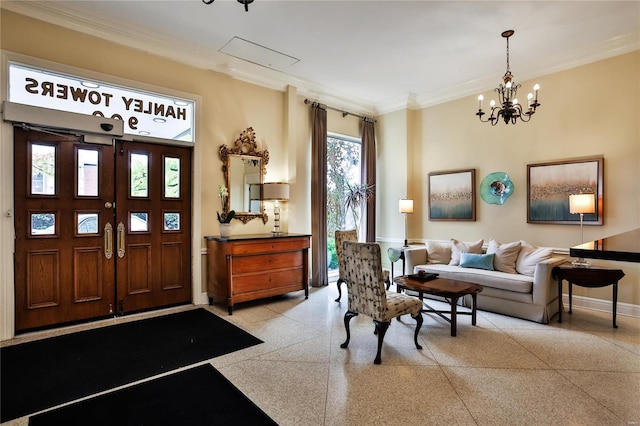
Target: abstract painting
[550, 184]
[452, 195]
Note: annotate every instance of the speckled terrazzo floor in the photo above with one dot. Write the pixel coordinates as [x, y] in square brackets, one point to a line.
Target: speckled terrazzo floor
[503, 371]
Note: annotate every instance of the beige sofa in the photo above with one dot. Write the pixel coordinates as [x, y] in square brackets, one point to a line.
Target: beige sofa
[516, 277]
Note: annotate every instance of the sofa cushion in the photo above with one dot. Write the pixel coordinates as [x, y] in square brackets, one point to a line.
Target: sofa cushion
[478, 261]
[438, 252]
[460, 246]
[506, 255]
[530, 256]
[494, 279]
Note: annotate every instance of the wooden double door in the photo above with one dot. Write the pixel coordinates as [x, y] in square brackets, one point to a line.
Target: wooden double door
[100, 230]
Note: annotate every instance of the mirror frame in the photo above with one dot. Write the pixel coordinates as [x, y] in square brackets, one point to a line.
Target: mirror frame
[245, 146]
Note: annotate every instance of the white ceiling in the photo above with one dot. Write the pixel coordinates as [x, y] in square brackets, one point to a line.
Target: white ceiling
[375, 56]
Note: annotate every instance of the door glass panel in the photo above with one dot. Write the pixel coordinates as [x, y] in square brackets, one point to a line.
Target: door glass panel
[138, 222]
[43, 169]
[87, 223]
[172, 221]
[87, 172]
[139, 175]
[171, 177]
[43, 223]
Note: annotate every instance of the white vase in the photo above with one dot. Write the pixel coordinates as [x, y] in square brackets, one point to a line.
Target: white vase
[225, 229]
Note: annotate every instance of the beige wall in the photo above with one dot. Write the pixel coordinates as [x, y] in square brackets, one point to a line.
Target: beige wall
[587, 111]
[590, 110]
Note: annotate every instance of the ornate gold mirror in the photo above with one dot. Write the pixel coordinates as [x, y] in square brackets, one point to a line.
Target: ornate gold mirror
[244, 167]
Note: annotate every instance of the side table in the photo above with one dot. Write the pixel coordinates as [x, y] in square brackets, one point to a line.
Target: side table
[587, 277]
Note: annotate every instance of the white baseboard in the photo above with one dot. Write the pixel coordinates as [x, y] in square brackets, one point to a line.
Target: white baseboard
[625, 309]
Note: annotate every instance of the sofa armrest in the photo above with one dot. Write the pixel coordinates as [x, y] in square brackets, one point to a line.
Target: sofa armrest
[414, 256]
[545, 288]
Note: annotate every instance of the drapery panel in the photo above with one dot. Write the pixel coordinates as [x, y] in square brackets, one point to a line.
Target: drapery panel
[319, 272]
[368, 161]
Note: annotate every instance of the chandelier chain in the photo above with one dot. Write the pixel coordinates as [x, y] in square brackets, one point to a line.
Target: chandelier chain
[508, 67]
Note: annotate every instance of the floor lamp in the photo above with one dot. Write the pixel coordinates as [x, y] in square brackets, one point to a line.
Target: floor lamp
[581, 204]
[405, 207]
[276, 192]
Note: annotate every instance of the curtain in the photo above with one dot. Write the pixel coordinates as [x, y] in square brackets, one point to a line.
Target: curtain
[319, 273]
[368, 161]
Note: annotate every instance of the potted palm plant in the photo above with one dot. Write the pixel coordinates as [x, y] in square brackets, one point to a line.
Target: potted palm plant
[355, 197]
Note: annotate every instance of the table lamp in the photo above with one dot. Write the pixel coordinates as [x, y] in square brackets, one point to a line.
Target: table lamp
[276, 192]
[405, 207]
[581, 204]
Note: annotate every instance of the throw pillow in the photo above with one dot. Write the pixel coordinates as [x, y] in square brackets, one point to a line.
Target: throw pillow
[506, 255]
[478, 261]
[530, 256]
[459, 246]
[438, 252]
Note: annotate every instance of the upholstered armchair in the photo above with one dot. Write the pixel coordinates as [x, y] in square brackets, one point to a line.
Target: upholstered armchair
[350, 235]
[367, 295]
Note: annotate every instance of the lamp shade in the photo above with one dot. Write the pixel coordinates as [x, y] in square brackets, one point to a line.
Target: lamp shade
[582, 203]
[275, 191]
[405, 206]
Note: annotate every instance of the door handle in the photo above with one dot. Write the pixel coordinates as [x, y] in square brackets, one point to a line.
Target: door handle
[108, 240]
[121, 241]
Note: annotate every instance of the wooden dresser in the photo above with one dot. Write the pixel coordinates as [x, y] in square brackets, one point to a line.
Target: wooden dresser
[249, 267]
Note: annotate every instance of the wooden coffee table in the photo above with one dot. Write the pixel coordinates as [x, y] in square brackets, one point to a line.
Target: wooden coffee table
[449, 289]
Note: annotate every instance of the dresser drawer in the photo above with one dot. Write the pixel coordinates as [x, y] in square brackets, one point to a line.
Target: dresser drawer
[266, 262]
[269, 246]
[256, 282]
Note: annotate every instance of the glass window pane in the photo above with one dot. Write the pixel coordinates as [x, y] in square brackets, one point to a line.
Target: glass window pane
[87, 172]
[343, 180]
[172, 221]
[139, 222]
[43, 223]
[88, 223]
[43, 169]
[139, 175]
[171, 177]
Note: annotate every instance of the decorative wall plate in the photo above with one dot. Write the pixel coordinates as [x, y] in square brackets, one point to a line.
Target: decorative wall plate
[496, 187]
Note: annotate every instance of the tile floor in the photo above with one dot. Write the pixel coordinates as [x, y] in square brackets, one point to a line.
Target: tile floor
[503, 371]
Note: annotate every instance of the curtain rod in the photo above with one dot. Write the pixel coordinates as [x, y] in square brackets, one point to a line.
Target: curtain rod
[344, 113]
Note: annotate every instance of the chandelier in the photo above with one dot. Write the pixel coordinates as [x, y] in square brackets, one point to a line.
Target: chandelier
[509, 109]
[245, 2]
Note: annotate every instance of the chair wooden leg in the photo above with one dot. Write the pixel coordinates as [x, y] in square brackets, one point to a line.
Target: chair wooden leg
[340, 281]
[388, 283]
[419, 320]
[381, 327]
[347, 317]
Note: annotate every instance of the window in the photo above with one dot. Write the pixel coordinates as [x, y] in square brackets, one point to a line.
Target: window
[343, 177]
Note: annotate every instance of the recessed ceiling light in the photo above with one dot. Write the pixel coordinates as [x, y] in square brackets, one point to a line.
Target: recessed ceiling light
[181, 103]
[159, 120]
[90, 84]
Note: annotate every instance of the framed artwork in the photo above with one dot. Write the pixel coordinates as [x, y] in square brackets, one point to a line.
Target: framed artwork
[452, 195]
[550, 184]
